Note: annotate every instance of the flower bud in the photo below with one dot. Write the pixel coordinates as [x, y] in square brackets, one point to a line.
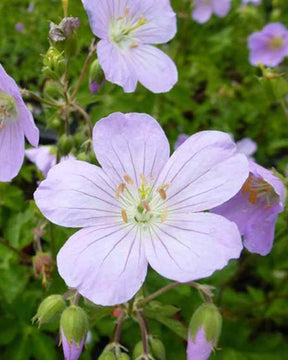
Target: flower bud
[138, 350]
[96, 77]
[74, 325]
[48, 310]
[123, 356]
[107, 356]
[65, 144]
[157, 348]
[204, 331]
[54, 64]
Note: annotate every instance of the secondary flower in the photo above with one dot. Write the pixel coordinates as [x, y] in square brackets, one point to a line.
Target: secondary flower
[204, 9]
[246, 146]
[143, 206]
[126, 29]
[199, 348]
[16, 121]
[269, 46]
[255, 208]
[180, 140]
[44, 158]
[253, 2]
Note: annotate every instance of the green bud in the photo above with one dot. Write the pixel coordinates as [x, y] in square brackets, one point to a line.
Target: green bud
[74, 324]
[208, 317]
[96, 77]
[157, 348]
[53, 64]
[83, 157]
[107, 356]
[138, 350]
[49, 308]
[52, 89]
[123, 356]
[65, 144]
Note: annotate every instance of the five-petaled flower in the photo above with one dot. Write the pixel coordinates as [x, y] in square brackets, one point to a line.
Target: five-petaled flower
[16, 121]
[255, 208]
[143, 207]
[126, 29]
[204, 9]
[269, 46]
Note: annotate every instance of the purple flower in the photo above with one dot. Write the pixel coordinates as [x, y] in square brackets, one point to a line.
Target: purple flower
[246, 146]
[199, 348]
[269, 46]
[94, 86]
[71, 351]
[204, 9]
[143, 206]
[126, 29]
[255, 209]
[15, 122]
[19, 27]
[44, 158]
[180, 140]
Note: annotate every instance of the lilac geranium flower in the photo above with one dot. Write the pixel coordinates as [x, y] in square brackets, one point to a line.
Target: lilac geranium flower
[269, 46]
[16, 121]
[44, 157]
[199, 348]
[255, 208]
[143, 207]
[247, 147]
[204, 9]
[180, 140]
[126, 29]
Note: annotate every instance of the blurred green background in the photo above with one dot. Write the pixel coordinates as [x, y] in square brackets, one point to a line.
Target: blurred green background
[217, 89]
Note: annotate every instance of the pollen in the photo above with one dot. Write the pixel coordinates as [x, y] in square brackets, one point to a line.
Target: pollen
[162, 191]
[124, 216]
[146, 205]
[164, 215]
[128, 179]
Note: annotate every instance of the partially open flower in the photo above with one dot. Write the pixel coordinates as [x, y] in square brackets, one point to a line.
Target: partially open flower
[204, 9]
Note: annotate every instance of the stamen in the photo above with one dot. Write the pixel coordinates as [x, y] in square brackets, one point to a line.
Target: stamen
[124, 216]
[128, 179]
[162, 193]
[164, 215]
[126, 13]
[120, 189]
[134, 45]
[146, 205]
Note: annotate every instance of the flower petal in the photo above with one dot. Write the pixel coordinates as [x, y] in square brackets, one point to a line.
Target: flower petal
[99, 14]
[130, 144]
[42, 158]
[246, 146]
[221, 8]
[117, 66]
[202, 12]
[154, 69]
[189, 247]
[26, 119]
[205, 170]
[106, 264]
[200, 348]
[77, 194]
[11, 151]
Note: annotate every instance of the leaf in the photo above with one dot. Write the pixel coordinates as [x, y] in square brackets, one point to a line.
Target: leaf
[43, 346]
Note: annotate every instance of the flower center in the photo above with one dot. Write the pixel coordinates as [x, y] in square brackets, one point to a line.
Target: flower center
[276, 42]
[8, 109]
[142, 205]
[259, 190]
[122, 30]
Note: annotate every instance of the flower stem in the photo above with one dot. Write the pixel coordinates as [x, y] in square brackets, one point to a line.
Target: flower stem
[144, 332]
[92, 50]
[119, 325]
[16, 251]
[86, 117]
[38, 98]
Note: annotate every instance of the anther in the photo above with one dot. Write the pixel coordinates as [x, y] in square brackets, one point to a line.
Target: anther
[146, 205]
[124, 216]
[128, 179]
[120, 189]
[134, 45]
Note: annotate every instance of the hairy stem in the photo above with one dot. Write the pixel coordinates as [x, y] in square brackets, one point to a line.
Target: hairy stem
[119, 325]
[86, 117]
[144, 333]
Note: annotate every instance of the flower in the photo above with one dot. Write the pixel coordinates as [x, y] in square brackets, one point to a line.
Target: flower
[204, 9]
[269, 46]
[200, 348]
[71, 351]
[180, 140]
[44, 158]
[15, 122]
[143, 207]
[255, 208]
[126, 29]
[19, 27]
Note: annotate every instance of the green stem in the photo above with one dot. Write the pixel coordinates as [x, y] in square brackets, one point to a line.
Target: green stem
[31, 94]
[144, 333]
[16, 251]
[85, 67]
[86, 117]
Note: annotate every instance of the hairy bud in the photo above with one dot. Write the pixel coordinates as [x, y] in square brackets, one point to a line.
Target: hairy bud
[48, 310]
